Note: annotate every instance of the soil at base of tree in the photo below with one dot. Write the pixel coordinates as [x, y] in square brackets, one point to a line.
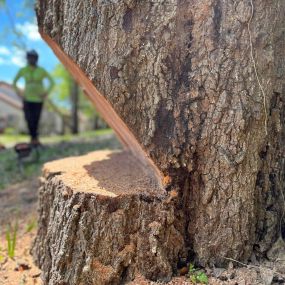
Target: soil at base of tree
[22, 271]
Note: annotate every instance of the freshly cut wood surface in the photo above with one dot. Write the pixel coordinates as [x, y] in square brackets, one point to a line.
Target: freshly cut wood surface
[105, 173]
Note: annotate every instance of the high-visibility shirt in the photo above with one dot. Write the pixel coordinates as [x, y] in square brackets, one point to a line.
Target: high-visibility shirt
[34, 76]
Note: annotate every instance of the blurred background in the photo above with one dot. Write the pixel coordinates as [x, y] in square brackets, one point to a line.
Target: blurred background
[69, 123]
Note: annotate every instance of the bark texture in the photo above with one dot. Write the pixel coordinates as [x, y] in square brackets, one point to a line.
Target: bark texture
[104, 230]
[199, 88]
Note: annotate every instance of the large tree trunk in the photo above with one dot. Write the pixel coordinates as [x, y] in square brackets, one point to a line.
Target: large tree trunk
[195, 90]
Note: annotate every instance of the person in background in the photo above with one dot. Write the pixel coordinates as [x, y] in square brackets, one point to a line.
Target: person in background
[34, 93]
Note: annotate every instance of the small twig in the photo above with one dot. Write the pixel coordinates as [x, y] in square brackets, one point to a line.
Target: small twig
[282, 216]
[283, 208]
[231, 259]
[255, 68]
[255, 266]
[14, 29]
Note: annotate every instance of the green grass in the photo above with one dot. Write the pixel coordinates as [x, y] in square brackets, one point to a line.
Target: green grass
[9, 138]
[55, 148]
[197, 276]
[1, 255]
[11, 238]
[32, 224]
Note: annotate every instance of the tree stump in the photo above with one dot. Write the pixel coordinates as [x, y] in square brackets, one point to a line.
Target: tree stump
[102, 219]
[195, 91]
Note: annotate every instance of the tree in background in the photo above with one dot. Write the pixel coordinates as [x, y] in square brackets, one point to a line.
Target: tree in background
[71, 99]
[67, 92]
[74, 98]
[26, 11]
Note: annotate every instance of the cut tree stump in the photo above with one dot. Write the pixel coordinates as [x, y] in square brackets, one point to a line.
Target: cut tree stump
[103, 219]
[195, 91]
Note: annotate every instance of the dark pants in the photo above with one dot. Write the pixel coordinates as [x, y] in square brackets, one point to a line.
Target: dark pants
[32, 113]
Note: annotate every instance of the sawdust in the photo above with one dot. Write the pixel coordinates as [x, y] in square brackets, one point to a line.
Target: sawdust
[107, 173]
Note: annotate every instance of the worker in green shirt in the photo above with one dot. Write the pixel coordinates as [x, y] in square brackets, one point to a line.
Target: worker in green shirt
[34, 92]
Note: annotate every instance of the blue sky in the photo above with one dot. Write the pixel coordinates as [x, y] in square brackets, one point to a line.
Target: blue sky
[12, 57]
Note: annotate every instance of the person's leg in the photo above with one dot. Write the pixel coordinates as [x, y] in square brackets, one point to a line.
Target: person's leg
[36, 114]
[28, 116]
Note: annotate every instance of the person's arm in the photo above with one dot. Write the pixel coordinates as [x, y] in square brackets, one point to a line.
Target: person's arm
[50, 82]
[17, 77]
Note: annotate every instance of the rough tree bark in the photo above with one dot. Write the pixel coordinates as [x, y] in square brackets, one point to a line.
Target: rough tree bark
[195, 89]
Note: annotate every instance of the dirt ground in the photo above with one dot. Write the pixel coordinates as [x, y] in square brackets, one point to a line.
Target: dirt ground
[18, 203]
[20, 270]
